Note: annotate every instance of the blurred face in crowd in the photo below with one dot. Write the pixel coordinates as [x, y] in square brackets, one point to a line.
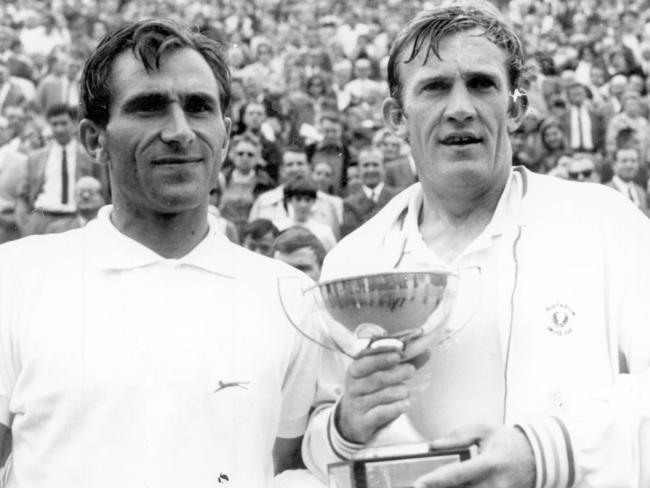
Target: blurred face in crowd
[362, 68]
[597, 76]
[16, 117]
[576, 94]
[354, 180]
[617, 85]
[553, 137]
[343, 72]
[632, 105]
[626, 164]
[322, 176]
[455, 114]
[294, 164]
[390, 146]
[303, 259]
[635, 83]
[301, 207]
[331, 131]
[261, 245]
[254, 115]
[264, 54]
[63, 128]
[88, 194]
[582, 169]
[371, 168]
[245, 156]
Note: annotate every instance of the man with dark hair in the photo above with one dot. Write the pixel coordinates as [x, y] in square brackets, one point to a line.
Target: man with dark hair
[626, 168]
[300, 248]
[331, 149]
[48, 187]
[258, 236]
[549, 369]
[129, 352]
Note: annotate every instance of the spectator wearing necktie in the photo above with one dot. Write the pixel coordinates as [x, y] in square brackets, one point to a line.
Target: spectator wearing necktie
[585, 127]
[46, 193]
[373, 194]
[626, 167]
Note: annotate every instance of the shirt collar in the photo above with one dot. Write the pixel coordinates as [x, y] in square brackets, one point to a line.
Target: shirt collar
[373, 191]
[112, 250]
[508, 212]
[620, 184]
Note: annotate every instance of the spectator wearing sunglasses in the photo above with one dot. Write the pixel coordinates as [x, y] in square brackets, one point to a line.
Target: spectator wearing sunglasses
[582, 168]
[243, 181]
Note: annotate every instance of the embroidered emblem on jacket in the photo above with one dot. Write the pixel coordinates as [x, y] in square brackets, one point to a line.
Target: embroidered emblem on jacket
[561, 317]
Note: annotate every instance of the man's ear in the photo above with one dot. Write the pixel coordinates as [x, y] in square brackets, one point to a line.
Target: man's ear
[394, 118]
[93, 138]
[517, 107]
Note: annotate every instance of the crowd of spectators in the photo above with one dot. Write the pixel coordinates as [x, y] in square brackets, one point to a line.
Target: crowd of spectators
[308, 144]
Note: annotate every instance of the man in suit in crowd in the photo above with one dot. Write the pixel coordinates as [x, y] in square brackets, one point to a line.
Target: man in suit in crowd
[55, 88]
[48, 187]
[373, 195]
[585, 127]
[626, 167]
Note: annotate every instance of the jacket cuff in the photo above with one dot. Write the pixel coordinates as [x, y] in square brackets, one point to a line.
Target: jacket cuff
[551, 445]
[344, 449]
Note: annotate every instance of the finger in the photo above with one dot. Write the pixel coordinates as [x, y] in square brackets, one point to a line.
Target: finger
[373, 361]
[382, 415]
[469, 472]
[380, 380]
[386, 396]
[463, 436]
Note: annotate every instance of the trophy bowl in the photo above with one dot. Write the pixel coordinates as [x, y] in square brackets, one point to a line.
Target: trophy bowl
[388, 308]
[397, 301]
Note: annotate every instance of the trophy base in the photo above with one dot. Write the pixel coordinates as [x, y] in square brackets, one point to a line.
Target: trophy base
[394, 466]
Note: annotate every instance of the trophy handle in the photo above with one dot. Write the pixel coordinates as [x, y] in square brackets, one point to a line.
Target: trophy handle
[292, 286]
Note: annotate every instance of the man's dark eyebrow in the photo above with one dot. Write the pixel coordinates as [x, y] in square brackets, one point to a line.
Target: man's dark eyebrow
[145, 101]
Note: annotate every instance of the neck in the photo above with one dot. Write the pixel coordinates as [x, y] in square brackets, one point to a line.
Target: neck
[88, 213]
[450, 221]
[169, 235]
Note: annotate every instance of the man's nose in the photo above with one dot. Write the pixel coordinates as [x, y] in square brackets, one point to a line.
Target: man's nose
[459, 104]
[177, 128]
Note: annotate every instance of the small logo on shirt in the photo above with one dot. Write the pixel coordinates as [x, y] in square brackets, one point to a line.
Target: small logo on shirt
[231, 384]
[223, 479]
[561, 317]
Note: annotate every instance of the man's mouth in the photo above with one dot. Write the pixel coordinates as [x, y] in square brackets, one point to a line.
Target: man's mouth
[464, 140]
[176, 160]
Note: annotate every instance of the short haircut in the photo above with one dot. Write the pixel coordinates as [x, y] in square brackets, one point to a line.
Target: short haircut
[148, 40]
[626, 138]
[258, 228]
[295, 238]
[246, 137]
[427, 29]
[300, 187]
[61, 109]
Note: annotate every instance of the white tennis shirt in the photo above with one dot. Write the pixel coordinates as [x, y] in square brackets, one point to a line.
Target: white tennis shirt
[156, 372]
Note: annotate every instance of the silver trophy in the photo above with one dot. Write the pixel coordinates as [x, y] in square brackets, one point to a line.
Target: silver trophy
[407, 310]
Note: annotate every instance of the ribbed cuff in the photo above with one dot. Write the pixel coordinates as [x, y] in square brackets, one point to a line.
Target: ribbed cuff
[551, 445]
[343, 448]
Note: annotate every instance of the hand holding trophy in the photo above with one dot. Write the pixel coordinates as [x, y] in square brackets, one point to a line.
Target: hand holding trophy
[389, 323]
